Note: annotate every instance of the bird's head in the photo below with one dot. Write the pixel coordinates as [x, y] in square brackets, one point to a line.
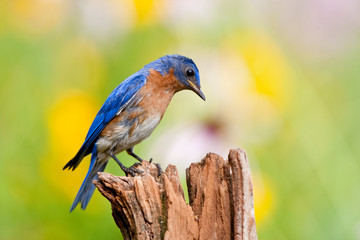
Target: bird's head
[185, 71]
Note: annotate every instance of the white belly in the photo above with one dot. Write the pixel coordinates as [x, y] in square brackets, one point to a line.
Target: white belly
[121, 139]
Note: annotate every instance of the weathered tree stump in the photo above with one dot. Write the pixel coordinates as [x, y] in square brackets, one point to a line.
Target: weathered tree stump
[149, 206]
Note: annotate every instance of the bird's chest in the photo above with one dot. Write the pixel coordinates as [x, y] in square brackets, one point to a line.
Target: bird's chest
[135, 123]
[128, 132]
[146, 115]
[140, 128]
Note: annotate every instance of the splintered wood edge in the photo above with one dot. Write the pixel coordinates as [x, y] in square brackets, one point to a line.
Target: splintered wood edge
[244, 215]
[240, 184]
[209, 195]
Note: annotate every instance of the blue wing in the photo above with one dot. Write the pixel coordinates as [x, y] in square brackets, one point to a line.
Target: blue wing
[113, 104]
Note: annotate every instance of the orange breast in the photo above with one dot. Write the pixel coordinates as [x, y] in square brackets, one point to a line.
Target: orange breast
[158, 92]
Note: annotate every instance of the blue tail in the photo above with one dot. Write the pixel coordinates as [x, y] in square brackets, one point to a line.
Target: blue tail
[87, 187]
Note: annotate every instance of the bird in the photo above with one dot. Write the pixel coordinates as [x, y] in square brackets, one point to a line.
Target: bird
[130, 114]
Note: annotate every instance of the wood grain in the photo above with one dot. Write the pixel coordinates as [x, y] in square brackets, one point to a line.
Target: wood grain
[148, 206]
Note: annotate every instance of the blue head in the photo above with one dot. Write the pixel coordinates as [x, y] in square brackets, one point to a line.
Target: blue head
[185, 71]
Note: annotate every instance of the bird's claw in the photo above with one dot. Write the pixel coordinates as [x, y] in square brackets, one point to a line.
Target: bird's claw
[136, 164]
[157, 165]
[132, 171]
[159, 168]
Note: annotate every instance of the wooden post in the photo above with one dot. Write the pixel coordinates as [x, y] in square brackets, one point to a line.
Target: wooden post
[149, 206]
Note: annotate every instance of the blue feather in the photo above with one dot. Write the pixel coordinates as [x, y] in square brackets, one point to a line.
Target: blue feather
[87, 187]
[116, 100]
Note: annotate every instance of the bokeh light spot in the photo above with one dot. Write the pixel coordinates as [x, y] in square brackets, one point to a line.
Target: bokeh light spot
[266, 64]
[147, 11]
[37, 16]
[263, 198]
[68, 120]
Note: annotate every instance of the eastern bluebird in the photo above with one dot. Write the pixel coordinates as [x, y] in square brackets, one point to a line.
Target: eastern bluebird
[130, 114]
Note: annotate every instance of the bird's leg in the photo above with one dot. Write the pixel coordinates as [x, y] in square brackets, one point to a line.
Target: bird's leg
[130, 151]
[127, 170]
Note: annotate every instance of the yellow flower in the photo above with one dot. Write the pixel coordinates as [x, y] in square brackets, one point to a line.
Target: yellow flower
[263, 198]
[266, 64]
[68, 121]
[148, 11]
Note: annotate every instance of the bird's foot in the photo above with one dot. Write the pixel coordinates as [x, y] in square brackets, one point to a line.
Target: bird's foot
[128, 171]
[136, 164]
[132, 171]
[160, 171]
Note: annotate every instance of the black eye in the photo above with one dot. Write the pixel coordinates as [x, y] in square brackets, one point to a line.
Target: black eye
[190, 72]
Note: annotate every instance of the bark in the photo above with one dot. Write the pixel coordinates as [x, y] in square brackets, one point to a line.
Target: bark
[152, 206]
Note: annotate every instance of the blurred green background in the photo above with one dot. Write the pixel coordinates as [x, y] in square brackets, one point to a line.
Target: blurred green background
[281, 80]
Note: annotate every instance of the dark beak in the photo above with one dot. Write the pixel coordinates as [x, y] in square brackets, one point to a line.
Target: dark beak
[197, 91]
[200, 94]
